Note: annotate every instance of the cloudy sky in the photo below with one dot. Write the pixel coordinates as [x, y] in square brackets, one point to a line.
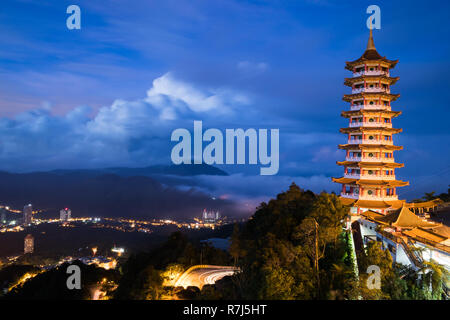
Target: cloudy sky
[111, 93]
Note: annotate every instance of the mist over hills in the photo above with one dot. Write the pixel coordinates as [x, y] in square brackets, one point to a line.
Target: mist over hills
[113, 192]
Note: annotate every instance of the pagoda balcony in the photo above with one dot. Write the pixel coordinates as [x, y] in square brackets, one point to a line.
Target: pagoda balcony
[352, 158]
[378, 198]
[370, 124]
[370, 90]
[376, 159]
[368, 141]
[375, 177]
[371, 73]
[350, 195]
[369, 159]
[368, 197]
[370, 107]
[352, 175]
[369, 176]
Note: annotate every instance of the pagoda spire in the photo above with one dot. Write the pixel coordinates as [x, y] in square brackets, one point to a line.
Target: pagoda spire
[370, 44]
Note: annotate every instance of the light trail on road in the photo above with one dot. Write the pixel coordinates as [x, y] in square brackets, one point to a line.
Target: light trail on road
[201, 275]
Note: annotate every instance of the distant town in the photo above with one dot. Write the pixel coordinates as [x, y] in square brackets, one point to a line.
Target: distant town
[13, 220]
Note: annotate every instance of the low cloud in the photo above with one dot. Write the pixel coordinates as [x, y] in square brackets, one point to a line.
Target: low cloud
[125, 133]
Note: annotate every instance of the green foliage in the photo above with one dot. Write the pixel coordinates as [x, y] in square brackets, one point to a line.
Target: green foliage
[432, 195]
[277, 249]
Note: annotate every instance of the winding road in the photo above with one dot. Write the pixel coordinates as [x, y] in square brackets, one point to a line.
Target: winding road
[200, 275]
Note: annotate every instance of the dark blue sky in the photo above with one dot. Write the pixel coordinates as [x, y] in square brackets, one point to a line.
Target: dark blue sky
[111, 93]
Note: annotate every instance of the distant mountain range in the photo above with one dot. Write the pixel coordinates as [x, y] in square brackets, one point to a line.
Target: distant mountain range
[112, 192]
[177, 170]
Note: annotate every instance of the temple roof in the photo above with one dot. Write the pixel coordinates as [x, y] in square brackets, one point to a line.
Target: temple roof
[350, 81]
[349, 146]
[353, 113]
[366, 182]
[371, 164]
[429, 235]
[376, 204]
[365, 129]
[370, 54]
[353, 96]
[404, 218]
[425, 204]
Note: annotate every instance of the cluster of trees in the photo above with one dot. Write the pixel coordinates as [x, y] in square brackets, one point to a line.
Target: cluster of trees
[294, 247]
[432, 195]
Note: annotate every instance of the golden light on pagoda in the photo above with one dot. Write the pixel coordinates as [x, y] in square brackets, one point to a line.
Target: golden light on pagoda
[369, 167]
[94, 251]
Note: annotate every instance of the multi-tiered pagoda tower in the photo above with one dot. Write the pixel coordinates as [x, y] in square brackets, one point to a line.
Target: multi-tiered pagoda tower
[369, 168]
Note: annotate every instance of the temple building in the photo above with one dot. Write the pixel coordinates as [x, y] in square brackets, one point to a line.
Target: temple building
[369, 183]
[369, 180]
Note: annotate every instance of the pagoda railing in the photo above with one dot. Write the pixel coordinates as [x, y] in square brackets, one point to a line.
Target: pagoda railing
[378, 198]
[369, 159]
[370, 107]
[369, 176]
[375, 177]
[370, 124]
[350, 195]
[367, 197]
[370, 73]
[378, 159]
[368, 141]
[359, 90]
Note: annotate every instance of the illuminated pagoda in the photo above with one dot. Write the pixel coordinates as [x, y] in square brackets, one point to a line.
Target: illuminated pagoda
[369, 181]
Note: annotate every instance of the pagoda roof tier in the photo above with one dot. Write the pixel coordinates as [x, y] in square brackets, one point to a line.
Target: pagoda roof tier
[376, 204]
[385, 183]
[350, 81]
[371, 55]
[349, 146]
[363, 164]
[375, 95]
[361, 112]
[370, 129]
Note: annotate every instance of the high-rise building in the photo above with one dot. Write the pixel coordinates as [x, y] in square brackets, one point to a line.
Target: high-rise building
[210, 216]
[28, 244]
[369, 168]
[27, 214]
[65, 214]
